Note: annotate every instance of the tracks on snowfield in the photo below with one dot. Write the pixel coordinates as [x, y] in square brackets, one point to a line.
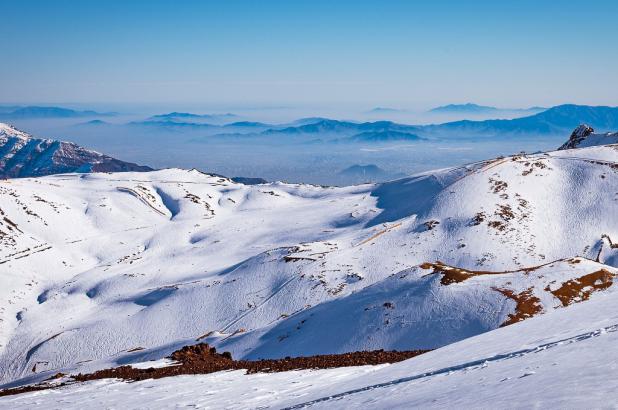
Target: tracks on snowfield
[475, 364]
[269, 297]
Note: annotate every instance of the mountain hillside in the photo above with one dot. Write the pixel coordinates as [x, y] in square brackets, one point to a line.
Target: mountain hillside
[558, 120]
[22, 155]
[133, 266]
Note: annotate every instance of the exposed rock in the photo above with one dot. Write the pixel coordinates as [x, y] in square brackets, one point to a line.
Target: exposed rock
[584, 136]
[577, 136]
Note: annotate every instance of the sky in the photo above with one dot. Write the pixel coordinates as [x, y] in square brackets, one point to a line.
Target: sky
[369, 53]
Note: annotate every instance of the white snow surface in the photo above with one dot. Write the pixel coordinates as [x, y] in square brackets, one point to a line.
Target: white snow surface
[8, 131]
[563, 359]
[94, 267]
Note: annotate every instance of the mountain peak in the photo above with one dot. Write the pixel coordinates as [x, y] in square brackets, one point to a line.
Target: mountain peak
[584, 136]
[465, 108]
[25, 156]
[583, 130]
[384, 110]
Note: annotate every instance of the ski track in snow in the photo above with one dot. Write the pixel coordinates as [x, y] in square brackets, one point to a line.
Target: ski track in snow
[461, 367]
[258, 306]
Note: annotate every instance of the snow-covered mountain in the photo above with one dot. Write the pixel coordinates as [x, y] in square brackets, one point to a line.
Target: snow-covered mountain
[100, 270]
[22, 155]
[584, 136]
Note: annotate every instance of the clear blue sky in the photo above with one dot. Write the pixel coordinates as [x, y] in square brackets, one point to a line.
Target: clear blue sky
[393, 53]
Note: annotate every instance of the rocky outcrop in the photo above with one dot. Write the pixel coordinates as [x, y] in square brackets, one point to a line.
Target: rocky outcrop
[577, 136]
[584, 136]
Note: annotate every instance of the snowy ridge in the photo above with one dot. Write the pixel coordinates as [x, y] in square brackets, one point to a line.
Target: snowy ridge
[21, 155]
[8, 131]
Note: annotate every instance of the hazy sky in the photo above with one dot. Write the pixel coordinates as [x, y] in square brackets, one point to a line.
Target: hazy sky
[374, 53]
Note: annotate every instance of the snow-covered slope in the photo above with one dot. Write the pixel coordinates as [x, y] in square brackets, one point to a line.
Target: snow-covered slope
[105, 269]
[21, 155]
[584, 136]
[564, 359]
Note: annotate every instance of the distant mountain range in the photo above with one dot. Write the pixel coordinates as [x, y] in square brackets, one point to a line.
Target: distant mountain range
[473, 109]
[21, 155]
[18, 112]
[324, 126]
[384, 110]
[186, 116]
[553, 121]
[170, 124]
[248, 124]
[558, 120]
[463, 108]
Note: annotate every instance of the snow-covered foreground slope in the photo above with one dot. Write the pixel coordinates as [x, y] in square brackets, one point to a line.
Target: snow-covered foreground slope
[564, 359]
[107, 269]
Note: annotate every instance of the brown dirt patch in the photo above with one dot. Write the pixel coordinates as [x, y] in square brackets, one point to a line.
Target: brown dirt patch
[203, 359]
[527, 306]
[580, 289]
[451, 274]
